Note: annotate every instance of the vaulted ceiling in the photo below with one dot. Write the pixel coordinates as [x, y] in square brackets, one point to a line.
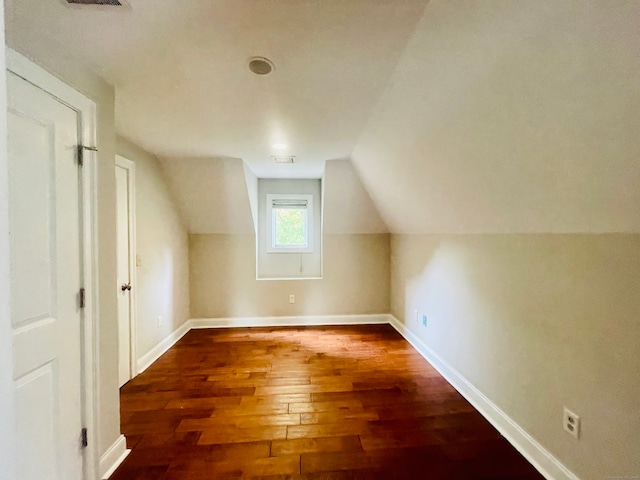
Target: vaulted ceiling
[462, 117]
[511, 117]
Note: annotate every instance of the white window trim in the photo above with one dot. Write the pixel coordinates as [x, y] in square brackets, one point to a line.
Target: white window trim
[270, 227]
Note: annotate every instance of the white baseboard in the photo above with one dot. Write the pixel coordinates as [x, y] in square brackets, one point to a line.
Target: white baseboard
[536, 454]
[289, 321]
[113, 457]
[156, 352]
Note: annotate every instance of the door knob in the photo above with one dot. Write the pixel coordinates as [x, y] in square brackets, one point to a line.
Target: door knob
[125, 287]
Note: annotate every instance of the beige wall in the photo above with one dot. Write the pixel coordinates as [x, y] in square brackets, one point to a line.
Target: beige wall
[536, 323]
[223, 279]
[104, 96]
[162, 244]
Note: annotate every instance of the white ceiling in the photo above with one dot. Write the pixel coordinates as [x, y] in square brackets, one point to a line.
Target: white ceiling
[465, 117]
[182, 83]
[511, 117]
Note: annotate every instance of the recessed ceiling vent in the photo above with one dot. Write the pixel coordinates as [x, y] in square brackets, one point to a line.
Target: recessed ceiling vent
[284, 159]
[113, 3]
[261, 65]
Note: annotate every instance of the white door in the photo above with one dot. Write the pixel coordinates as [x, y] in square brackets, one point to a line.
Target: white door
[44, 213]
[124, 190]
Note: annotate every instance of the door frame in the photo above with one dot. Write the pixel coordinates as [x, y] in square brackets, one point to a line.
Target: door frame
[86, 109]
[133, 332]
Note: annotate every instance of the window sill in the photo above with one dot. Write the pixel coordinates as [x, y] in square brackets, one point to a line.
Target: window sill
[288, 250]
[288, 278]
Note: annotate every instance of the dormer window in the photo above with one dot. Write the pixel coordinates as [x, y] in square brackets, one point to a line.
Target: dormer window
[290, 225]
[289, 233]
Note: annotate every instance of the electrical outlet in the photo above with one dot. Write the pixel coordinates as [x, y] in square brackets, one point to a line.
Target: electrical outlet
[424, 320]
[159, 320]
[415, 315]
[571, 423]
[292, 298]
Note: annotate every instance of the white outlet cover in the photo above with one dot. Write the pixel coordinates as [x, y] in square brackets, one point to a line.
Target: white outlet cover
[415, 315]
[571, 423]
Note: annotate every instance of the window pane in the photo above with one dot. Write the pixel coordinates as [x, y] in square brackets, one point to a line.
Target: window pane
[290, 227]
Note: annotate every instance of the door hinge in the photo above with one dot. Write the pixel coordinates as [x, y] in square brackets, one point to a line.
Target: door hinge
[81, 149]
[82, 295]
[84, 439]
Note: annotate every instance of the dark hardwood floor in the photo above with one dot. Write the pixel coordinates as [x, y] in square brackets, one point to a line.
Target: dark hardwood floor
[354, 402]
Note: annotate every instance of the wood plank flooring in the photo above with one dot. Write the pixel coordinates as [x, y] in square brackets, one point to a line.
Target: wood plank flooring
[331, 403]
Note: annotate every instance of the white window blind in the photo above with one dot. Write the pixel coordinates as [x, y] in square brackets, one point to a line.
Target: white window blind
[290, 227]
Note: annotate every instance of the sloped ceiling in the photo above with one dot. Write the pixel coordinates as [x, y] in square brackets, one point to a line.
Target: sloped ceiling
[467, 116]
[211, 194]
[510, 116]
[347, 206]
[183, 88]
[219, 196]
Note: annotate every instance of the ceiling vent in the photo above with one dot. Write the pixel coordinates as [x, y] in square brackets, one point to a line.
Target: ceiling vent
[113, 3]
[284, 159]
[261, 65]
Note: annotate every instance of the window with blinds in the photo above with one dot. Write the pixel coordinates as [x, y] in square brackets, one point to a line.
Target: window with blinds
[291, 223]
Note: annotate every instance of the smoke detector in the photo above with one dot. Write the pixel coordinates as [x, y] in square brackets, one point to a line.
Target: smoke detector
[261, 65]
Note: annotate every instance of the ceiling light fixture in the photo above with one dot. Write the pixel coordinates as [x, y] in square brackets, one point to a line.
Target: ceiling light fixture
[261, 65]
[279, 146]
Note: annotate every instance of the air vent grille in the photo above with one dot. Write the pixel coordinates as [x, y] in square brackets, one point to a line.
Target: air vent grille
[114, 3]
[284, 159]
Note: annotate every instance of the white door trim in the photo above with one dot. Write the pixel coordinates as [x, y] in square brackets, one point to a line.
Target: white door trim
[86, 108]
[133, 332]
